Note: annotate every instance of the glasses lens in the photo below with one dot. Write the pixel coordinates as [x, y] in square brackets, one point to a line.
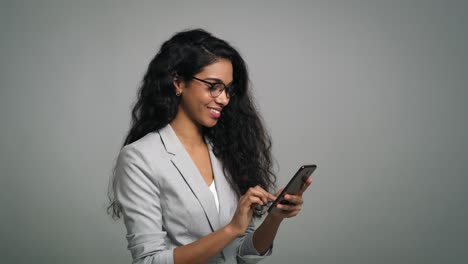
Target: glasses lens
[216, 89]
[231, 91]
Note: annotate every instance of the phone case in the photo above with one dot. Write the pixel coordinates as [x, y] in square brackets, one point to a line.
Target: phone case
[293, 186]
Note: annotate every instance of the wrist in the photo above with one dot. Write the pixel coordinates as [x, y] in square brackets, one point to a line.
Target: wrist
[274, 218]
[231, 231]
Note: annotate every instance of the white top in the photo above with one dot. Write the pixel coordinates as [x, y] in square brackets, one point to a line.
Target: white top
[215, 194]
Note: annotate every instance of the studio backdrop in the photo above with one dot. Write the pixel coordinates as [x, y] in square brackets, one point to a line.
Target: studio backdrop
[373, 92]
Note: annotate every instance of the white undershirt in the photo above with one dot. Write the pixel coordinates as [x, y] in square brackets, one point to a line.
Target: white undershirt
[215, 194]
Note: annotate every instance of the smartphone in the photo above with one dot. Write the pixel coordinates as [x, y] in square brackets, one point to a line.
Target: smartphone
[293, 186]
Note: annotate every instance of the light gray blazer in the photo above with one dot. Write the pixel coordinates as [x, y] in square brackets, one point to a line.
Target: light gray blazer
[166, 203]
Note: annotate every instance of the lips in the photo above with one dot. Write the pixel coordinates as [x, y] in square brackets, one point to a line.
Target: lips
[215, 111]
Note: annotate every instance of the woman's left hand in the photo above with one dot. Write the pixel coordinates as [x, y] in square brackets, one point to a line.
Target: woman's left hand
[296, 201]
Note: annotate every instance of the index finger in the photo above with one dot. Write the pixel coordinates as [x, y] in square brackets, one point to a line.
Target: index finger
[305, 185]
[267, 194]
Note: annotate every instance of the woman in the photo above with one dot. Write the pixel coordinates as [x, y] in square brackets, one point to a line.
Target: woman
[196, 161]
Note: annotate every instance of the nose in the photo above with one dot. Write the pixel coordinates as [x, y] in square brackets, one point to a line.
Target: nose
[222, 98]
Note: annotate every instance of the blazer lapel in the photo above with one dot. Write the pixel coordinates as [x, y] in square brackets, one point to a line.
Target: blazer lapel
[226, 196]
[189, 171]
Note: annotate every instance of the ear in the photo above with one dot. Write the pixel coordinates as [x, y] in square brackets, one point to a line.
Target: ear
[178, 83]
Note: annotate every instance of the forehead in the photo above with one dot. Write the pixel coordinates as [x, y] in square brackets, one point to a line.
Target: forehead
[221, 70]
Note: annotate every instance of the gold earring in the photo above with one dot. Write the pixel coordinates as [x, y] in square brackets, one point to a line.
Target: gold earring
[178, 93]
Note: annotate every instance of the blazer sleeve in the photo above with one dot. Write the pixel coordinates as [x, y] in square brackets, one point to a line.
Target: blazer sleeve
[137, 191]
[246, 252]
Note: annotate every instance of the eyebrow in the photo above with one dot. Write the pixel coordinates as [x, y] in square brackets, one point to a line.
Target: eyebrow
[218, 81]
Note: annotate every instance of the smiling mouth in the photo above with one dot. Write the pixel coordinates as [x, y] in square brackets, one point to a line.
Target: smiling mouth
[215, 111]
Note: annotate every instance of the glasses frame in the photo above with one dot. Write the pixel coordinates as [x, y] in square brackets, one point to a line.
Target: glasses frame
[228, 89]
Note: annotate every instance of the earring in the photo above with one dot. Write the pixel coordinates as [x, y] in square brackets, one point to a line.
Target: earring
[178, 93]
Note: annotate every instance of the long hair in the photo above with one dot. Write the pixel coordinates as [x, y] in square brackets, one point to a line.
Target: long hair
[239, 138]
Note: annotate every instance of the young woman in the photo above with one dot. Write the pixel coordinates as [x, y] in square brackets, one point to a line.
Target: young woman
[196, 161]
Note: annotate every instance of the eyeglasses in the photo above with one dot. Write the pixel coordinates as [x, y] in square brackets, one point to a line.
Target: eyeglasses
[216, 88]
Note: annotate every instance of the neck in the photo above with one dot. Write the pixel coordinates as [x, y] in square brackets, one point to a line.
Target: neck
[189, 133]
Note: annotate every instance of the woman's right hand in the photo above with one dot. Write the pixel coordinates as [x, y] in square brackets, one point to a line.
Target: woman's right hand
[243, 215]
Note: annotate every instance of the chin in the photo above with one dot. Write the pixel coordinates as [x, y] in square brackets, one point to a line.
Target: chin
[210, 123]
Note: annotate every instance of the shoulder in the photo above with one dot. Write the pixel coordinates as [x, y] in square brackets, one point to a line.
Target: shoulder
[148, 144]
[143, 152]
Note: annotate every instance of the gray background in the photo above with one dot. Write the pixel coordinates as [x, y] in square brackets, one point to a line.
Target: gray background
[374, 92]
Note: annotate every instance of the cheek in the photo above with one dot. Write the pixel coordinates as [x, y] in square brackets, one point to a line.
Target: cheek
[196, 102]
[204, 100]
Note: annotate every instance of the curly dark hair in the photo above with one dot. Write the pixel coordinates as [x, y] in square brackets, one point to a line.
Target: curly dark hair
[239, 138]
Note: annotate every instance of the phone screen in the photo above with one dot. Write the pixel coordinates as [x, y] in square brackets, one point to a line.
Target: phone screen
[293, 186]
